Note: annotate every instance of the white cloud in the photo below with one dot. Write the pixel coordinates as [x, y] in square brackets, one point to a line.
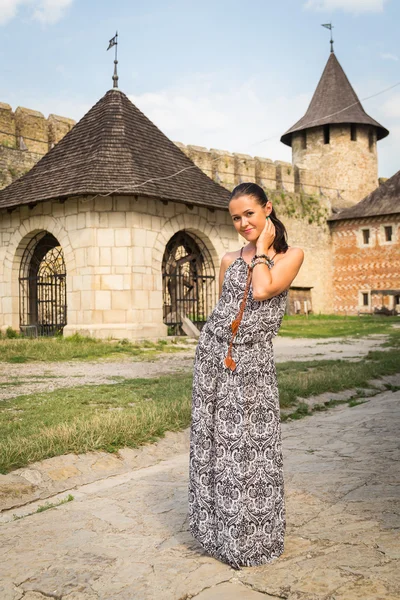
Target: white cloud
[352, 6]
[389, 56]
[388, 152]
[8, 9]
[239, 116]
[51, 11]
[45, 11]
[235, 119]
[391, 107]
[385, 108]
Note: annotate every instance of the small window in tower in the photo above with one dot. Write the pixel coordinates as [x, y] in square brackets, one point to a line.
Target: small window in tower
[326, 134]
[365, 233]
[365, 298]
[388, 233]
[397, 299]
[371, 140]
[303, 139]
[353, 132]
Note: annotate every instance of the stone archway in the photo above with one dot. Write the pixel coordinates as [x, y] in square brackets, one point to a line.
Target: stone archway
[206, 236]
[189, 282]
[42, 287]
[19, 241]
[195, 224]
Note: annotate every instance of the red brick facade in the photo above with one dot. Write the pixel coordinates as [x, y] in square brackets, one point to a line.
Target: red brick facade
[366, 257]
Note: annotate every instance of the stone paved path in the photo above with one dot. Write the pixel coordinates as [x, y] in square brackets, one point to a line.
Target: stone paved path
[126, 537]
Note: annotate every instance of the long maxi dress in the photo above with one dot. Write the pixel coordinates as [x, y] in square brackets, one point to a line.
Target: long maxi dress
[236, 487]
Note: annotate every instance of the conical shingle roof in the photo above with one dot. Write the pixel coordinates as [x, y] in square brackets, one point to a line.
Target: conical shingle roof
[385, 200]
[115, 148]
[334, 101]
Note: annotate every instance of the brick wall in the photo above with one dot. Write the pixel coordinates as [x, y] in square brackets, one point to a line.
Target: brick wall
[360, 267]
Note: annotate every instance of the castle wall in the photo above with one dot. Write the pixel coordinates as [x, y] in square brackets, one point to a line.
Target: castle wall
[316, 273]
[26, 136]
[27, 129]
[359, 268]
[117, 241]
[347, 170]
[342, 171]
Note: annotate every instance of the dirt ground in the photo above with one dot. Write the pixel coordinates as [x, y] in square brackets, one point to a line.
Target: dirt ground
[37, 377]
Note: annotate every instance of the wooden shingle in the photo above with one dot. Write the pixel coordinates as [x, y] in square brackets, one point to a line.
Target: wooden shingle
[115, 148]
[334, 102]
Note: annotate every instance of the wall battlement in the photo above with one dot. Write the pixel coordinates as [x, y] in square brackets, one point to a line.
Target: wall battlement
[28, 130]
[26, 135]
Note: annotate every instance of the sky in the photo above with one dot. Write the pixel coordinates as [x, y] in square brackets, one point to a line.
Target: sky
[229, 75]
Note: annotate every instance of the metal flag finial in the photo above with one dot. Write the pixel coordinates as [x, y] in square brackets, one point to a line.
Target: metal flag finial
[114, 42]
[329, 26]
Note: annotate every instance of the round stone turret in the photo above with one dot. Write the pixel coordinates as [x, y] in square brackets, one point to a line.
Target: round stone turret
[334, 145]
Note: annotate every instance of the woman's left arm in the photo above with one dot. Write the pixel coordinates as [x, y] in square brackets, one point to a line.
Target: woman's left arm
[268, 282]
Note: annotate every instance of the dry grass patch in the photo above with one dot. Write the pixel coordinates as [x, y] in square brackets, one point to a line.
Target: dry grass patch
[76, 347]
[132, 412]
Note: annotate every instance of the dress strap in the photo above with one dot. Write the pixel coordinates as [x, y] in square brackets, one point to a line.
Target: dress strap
[241, 250]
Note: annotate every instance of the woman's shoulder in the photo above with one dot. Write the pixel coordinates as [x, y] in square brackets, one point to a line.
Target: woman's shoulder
[229, 257]
[293, 253]
[295, 250]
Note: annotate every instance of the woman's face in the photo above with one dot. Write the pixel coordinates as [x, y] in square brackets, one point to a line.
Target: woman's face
[248, 216]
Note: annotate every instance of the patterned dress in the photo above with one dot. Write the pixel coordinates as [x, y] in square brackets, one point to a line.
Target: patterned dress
[236, 486]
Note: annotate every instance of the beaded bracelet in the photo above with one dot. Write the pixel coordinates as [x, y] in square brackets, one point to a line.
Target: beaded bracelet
[261, 258]
[260, 262]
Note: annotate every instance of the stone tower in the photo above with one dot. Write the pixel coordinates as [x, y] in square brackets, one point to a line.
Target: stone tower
[334, 145]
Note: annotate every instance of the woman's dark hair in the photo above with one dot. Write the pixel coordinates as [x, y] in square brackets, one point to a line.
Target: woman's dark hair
[252, 189]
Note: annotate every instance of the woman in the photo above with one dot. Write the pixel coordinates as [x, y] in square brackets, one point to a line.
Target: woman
[236, 486]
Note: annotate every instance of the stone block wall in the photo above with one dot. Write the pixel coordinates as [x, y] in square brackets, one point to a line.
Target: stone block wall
[15, 163]
[27, 129]
[26, 136]
[316, 273]
[344, 170]
[359, 268]
[113, 249]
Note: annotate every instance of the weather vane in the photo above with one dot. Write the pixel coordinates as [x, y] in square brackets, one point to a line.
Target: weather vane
[114, 42]
[329, 26]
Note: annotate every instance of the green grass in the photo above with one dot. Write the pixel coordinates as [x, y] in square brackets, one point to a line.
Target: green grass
[84, 418]
[46, 506]
[23, 350]
[323, 326]
[136, 411]
[18, 350]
